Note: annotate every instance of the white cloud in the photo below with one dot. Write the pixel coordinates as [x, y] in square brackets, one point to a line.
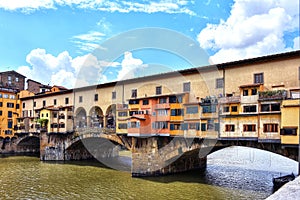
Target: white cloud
[26, 6]
[254, 28]
[89, 41]
[130, 66]
[65, 70]
[167, 6]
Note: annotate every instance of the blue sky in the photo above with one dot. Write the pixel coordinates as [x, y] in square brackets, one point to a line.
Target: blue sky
[56, 41]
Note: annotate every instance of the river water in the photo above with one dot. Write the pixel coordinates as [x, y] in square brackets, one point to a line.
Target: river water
[233, 173]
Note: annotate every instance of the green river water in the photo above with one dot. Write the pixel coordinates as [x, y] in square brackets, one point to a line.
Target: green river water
[24, 177]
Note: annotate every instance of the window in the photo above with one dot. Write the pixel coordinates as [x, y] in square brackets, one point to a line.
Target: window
[270, 107]
[66, 100]
[233, 108]
[162, 100]
[192, 110]
[175, 99]
[217, 126]
[288, 131]
[54, 102]
[9, 78]
[9, 114]
[17, 79]
[177, 112]
[203, 127]
[145, 102]
[134, 93]
[254, 91]
[219, 83]
[80, 99]
[245, 92]
[158, 90]
[194, 126]
[134, 101]
[209, 109]
[10, 105]
[229, 128]
[5, 96]
[17, 106]
[210, 124]
[162, 112]
[114, 95]
[54, 125]
[225, 109]
[23, 105]
[122, 114]
[61, 125]
[160, 125]
[259, 78]
[54, 115]
[44, 103]
[273, 128]
[177, 127]
[122, 126]
[249, 128]
[0, 95]
[34, 104]
[187, 87]
[249, 109]
[96, 97]
[134, 124]
[0, 112]
[1, 104]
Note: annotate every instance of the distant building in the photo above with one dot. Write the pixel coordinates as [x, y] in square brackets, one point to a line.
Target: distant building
[12, 80]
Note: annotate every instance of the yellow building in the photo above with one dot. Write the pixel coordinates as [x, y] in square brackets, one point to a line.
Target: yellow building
[9, 112]
[290, 121]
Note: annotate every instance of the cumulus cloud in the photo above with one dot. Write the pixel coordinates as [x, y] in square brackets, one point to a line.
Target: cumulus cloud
[65, 70]
[168, 6]
[130, 66]
[254, 28]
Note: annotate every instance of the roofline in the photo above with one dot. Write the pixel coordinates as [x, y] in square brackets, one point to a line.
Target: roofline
[47, 94]
[13, 71]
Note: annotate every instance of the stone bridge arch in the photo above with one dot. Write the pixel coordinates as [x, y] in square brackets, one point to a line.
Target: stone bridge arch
[29, 143]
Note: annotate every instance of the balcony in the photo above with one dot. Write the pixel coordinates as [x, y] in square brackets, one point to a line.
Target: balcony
[272, 95]
[228, 100]
[122, 106]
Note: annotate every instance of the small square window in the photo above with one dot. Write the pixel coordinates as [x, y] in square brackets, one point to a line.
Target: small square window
[245, 93]
[219, 83]
[114, 95]
[259, 78]
[158, 90]
[134, 93]
[187, 87]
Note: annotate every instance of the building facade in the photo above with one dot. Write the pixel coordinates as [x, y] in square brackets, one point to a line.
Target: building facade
[254, 99]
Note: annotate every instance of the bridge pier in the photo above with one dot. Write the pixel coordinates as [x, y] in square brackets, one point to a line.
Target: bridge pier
[156, 156]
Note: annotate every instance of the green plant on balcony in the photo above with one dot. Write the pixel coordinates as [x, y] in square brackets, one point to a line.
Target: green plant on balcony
[273, 94]
[43, 122]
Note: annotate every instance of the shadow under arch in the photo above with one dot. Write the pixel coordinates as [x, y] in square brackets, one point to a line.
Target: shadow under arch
[28, 144]
[110, 116]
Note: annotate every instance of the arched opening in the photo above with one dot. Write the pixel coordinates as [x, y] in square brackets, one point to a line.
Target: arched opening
[111, 116]
[80, 118]
[96, 117]
[29, 144]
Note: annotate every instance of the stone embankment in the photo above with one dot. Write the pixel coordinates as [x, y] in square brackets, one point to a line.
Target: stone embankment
[290, 191]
